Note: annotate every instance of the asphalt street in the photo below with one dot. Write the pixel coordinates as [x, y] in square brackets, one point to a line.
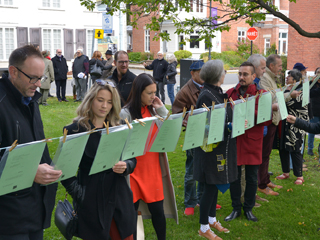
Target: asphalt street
[230, 81]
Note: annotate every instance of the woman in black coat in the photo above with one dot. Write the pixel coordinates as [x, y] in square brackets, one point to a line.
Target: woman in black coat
[96, 59]
[103, 200]
[171, 76]
[220, 165]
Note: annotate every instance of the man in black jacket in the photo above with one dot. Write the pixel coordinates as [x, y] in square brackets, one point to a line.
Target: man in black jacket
[159, 67]
[60, 75]
[122, 75]
[25, 213]
[80, 71]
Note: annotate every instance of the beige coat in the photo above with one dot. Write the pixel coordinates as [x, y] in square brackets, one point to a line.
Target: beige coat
[48, 71]
[269, 81]
[169, 203]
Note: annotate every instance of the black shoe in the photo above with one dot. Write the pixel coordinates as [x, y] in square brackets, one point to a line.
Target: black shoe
[59, 100]
[250, 216]
[49, 95]
[270, 173]
[77, 100]
[65, 100]
[310, 152]
[233, 215]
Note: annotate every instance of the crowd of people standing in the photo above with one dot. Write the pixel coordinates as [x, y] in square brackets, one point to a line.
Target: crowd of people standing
[106, 204]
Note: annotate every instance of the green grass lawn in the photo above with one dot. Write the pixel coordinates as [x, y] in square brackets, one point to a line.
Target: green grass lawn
[291, 215]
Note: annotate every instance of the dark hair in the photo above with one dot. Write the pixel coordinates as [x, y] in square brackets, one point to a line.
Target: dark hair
[134, 100]
[248, 64]
[272, 59]
[19, 55]
[315, 71]
[118, 53]
[295, 74]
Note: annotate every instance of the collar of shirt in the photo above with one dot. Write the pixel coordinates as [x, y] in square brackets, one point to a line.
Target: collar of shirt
[26, 100]
[197, 84]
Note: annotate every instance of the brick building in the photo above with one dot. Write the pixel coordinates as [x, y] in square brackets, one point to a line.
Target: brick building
[302, 49]
[272, 30]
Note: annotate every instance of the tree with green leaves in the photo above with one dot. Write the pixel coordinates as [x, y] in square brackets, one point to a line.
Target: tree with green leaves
[160, 11]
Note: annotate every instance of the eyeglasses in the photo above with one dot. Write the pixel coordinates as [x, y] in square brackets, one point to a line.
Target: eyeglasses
[59, 52]
[123, 62]
[244, 74]
[103, 83]
[33, 80]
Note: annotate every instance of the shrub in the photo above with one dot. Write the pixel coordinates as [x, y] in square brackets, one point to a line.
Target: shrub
[182, 54]
[244, 48]
[146, 56]
[284, 68]
[135, 56]
[271, 50]
[229, 58]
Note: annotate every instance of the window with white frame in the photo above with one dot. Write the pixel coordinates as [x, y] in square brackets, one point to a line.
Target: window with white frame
[191, 5]
[241, 35]
[6, 42]
[283, 43]
[52, 40]
[6, 2]
[51, 3]
[267, 45]
[89, 42]
[147, 40]
[194, 41]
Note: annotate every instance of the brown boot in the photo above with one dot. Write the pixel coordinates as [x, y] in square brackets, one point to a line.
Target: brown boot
[74, 96]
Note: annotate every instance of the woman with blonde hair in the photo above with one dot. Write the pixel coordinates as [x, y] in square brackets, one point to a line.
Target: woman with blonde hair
[96, 62]
[103, 200]
[46, 82]
[171, 76]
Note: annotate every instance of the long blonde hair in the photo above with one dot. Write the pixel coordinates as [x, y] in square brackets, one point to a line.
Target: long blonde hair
[84, 111]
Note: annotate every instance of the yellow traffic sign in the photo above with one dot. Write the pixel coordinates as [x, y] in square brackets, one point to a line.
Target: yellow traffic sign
[98, 33]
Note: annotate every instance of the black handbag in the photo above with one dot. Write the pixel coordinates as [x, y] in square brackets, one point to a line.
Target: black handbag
[95, 70]
[66, 219]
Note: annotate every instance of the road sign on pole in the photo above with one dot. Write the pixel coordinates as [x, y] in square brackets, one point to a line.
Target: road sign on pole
[107, 23]
[98, 33]
[252, 34]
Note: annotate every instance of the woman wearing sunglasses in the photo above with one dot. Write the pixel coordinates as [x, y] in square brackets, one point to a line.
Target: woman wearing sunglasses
[104, 200]
[151, 181]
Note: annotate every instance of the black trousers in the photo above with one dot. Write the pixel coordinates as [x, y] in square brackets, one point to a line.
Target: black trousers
[160, 88]
[27, 236]
[250, 191]
[296, 162]
[208, 202]
[157, 217]
[61, 87]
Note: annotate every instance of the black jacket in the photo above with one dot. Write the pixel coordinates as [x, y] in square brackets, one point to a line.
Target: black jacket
[315, 99]
[207, 166]
[124, 85]
[171, 73]
[159, 68]
[60, 68]
[30, 209]
[92, 62]
[307, 126]
[106, 196]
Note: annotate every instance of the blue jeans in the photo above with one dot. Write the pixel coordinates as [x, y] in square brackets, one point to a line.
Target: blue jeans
[310, 135]
[191, 197]
[170, 88]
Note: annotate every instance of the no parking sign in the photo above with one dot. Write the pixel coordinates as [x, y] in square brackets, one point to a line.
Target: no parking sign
[107, 23]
